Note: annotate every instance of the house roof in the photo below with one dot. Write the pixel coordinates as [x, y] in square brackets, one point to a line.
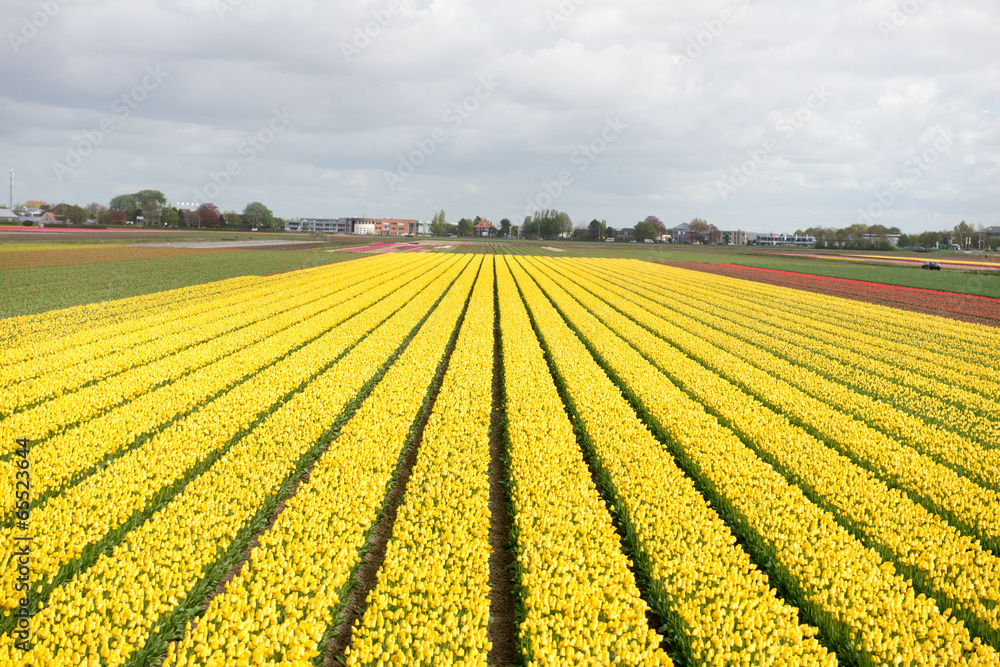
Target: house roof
[7, 213]
[483, 224]
[683, 227]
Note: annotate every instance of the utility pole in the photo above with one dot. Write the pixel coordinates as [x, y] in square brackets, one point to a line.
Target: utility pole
[11, 189]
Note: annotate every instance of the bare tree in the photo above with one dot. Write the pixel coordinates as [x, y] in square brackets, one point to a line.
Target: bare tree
[699, 229]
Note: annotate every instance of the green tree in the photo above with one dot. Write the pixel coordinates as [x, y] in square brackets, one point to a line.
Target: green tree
[645, 230]
[504, 227]
[151, 203]
[170, 217]
[439, 226]
[550, 223]
[529, 228]
[233, 219]
[904, 241]
[597, 229]
[928, 239]
[257, 215]
[465, 227]
[962, 233]
[77, 214]
[126, 204]
[657, 224]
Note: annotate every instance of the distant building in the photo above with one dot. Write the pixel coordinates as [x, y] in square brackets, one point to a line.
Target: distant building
[738, 237]
[327, 225]
[627, 233]
[393, 227]
[363, 226]
[420, 227]
[484, 228]
[893, 239]
[681, 233]
[992, 232]
[39, 220]
[8, 216]
[786, 240]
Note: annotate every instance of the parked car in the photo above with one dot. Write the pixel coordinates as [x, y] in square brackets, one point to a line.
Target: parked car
[610, 239]
[647, 240]
[933, 266]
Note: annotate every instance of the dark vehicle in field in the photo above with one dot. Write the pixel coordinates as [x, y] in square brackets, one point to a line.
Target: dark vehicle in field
[933, 266]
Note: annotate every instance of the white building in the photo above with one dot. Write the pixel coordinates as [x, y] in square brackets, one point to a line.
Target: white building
[786, 239]
[327, 225]
[8, 217]
[365, 226]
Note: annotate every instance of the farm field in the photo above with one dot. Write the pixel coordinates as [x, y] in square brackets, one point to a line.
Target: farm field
[333, 458]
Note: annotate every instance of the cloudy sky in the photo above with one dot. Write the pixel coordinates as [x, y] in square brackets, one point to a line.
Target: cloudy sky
[764, 115]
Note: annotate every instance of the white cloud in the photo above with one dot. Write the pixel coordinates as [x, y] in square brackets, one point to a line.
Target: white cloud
[693, 112]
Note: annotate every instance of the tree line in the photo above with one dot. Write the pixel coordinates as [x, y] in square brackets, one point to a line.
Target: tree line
[149, 208]
[876, 237]
[466, 226]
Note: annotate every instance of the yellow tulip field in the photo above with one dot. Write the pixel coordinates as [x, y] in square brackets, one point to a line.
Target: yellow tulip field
[302, 469]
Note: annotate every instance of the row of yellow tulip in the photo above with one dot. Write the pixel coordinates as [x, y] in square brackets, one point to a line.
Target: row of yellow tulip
[723, 607]
[948, 365]
[970, 347]
[858, 598]
[67, 523]
[217, 318]
[286, 596]
[971, 413]
[969, 458]
[73, 341]
[974, 414]
[75, 407]
[581, 605]
[969, 505]
[123, 607]
[437, 562]
[85, 362]
[68, 456]
[954, 566]
[29, 335]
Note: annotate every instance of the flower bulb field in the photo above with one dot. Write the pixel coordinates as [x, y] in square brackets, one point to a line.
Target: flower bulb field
[377, 461]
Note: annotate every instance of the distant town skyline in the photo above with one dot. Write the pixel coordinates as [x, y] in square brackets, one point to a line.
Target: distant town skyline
[766, 115]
